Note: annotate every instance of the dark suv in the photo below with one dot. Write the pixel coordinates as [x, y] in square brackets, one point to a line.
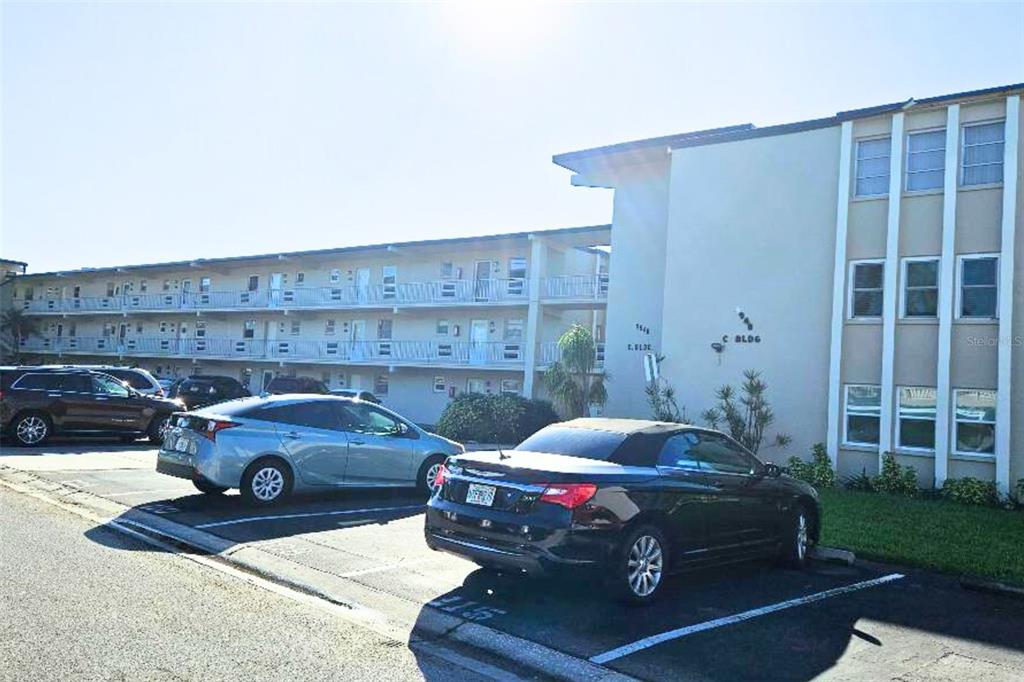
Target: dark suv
[36, 403]
[280, 385]
[201, 390]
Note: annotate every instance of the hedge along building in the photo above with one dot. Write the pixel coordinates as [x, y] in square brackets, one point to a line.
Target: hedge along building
[867, 263]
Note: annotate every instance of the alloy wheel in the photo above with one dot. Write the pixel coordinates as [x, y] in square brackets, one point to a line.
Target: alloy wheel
[801, 537]
[31, 430]
[432, 476]
[267, 484]
[644, 565]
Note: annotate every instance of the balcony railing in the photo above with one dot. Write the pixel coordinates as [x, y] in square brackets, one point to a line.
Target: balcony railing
[441, 292]
[377, 352]
[549, 353]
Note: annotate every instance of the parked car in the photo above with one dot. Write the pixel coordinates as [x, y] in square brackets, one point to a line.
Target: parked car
[270, 446]
[356, 394]
[201, 390]
[36, 403]
[282, 385]
[632, 500]
[136, 377]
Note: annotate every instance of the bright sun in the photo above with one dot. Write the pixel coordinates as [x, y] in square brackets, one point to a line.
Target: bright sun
[499, 26]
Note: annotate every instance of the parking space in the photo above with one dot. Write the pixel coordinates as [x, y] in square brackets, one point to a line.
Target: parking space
[747, 621]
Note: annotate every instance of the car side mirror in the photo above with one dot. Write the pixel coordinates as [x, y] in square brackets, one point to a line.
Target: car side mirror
[772, 470]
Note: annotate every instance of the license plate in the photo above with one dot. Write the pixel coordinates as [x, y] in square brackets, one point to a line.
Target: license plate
[482, 495]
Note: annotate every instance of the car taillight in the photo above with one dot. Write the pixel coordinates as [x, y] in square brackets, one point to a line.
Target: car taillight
[441, 476]
[568, 495]
[214, 426]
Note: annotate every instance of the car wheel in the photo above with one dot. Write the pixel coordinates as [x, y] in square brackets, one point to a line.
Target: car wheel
[640, 566]
[157, 429]
[208, 488]
[427, 474]
[31, 428]
[796, 543]
[266, 482]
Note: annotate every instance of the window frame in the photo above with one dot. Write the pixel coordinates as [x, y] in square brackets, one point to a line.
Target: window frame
[850, 289]
[962, 171]
[904, 284]
[846, 416]
[856, 166]
[906, 161]
[968, 454]
[960, 287]
[899, 422]
[440, 381]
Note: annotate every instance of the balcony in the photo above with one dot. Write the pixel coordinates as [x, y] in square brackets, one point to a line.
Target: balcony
[548, 353]
[490, 354]
[449, 292]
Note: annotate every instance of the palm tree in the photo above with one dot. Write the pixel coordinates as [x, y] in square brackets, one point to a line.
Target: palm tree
[572, 381]
[14, 326]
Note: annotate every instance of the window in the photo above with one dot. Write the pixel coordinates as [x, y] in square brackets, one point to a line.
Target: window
[476, 386]
[300, 279]
[200, 329]
[362, 418]
[110, 289]
[384, 328]
[866, 282]
[329, 328]
[163, 327]
[978, 288]
[975, 421]
[143, 287]
[447, 270]
[677, 452]
[335, 276]
[296, 327]
[254, 283]
[249, 329]
[38, 382]
[916, 426]
[389, 277]
[109, 386]
[926, 160]
[167, 285]
[511, 387]
[983, 154]
[380, 384]
[517, 268]
[513, 330]
[863, 414]
[442, 327]
[312, 414]
[204, 284]
[872, 167]
[440, 385]
[921, 287]
[718, 454]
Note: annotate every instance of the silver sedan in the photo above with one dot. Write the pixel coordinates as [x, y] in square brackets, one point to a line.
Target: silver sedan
[268, 447]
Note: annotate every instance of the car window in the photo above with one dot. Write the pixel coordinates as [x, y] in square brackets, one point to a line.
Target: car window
[678, 452]
[134, 379]
[720, 455]
[575, 442]
[314, 414]
[362, 418]
[39, 382]
[109, 386]
[76, 383]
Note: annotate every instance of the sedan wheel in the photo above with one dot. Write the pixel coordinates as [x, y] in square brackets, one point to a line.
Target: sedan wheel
[267, 484]
[801, 537]
[796, 545]
[32, 429]
[432, 472]
[645, 566]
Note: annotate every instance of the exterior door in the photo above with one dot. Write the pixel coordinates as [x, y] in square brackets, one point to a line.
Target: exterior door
[482, 280]
[268, 376]
[478, 335]
[276, 284]
[681, 481]
[379, 453]
[363, 285]
[741, 506]
[122, 332]
[113, 409]
[357, 340]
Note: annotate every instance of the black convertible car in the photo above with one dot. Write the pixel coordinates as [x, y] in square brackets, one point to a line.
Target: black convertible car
[634, 499]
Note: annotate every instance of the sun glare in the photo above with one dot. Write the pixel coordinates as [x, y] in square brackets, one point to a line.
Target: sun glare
[500, 27]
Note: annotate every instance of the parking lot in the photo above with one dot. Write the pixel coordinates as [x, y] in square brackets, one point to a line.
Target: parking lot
[749, 621]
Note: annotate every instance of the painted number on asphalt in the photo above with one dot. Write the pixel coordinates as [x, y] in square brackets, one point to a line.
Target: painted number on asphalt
[467, 608]
[158, 508]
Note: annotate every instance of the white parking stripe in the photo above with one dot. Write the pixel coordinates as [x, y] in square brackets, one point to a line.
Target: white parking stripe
[648, 642]
[277, 517]
[142, 492]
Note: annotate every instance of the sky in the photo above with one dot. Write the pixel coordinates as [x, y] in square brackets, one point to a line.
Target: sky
[142, 132]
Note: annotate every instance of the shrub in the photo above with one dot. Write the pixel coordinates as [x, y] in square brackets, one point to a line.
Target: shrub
[861, 482]
[970, 490]
[745, 415]
[818, 472]
[895, 479]
[494, 418]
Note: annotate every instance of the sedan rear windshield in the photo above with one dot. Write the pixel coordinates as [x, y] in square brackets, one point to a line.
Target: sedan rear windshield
[587, 443]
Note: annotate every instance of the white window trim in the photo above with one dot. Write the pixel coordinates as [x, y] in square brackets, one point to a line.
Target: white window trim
[906, 160]
[447, 326]
[851, 266]
[959, 286]
[846, 420]
[899, 419]
[903, 285]
[981, 456]
[856, 166]
[443, 383]
[962, 171]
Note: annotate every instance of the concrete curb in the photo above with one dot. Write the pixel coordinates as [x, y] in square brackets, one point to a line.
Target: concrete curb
[996, 587]
[432, 628]
[832, 554]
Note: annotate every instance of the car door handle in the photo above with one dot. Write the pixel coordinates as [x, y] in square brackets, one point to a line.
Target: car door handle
[293, 435]
[357, 442]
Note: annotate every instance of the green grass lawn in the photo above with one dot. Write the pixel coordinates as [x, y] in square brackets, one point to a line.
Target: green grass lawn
[933, 534]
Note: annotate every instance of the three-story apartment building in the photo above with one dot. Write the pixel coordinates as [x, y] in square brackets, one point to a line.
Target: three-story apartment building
[415, 323]
[868, 263]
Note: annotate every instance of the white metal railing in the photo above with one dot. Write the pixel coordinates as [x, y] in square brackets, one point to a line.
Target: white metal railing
[381, 351]
[549, 353]
[576, 287]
